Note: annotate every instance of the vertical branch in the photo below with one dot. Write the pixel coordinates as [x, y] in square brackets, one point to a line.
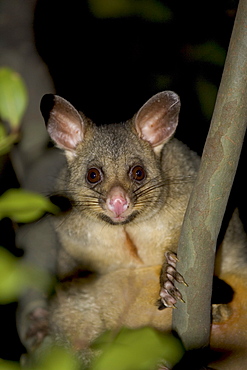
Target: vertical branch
[208, 201]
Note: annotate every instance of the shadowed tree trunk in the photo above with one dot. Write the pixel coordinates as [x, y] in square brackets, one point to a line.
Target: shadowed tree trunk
[208, 201]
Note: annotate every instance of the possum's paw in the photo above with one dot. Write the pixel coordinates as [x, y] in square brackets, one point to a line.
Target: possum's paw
[33, 359]
[169, 294]
[38, 327]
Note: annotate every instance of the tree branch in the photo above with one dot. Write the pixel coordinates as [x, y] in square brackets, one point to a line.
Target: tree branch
[209, 198]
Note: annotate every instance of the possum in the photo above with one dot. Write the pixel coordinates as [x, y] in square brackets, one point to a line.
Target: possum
[113, 251]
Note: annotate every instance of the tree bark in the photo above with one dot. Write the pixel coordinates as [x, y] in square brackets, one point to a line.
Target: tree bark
[196, 251]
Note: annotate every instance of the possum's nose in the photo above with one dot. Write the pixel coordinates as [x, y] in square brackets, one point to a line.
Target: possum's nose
[117, 201]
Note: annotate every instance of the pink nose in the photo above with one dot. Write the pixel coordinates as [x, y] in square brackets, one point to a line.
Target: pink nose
[117, 201]
[118, 205]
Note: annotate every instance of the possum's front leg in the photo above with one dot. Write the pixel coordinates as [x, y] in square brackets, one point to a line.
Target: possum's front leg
[38, 326]
[169, 294]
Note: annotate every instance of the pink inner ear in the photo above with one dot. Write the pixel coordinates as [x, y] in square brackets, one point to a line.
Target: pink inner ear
[65, 131]
[156, 129]
[157, 120]
[65, 125]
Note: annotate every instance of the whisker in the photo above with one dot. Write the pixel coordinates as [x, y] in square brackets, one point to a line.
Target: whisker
[145, 191]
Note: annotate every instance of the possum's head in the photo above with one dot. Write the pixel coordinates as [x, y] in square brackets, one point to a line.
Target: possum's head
[115, 170]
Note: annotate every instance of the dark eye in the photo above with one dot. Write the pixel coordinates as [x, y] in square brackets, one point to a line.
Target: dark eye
[137, 173]
[94, 175]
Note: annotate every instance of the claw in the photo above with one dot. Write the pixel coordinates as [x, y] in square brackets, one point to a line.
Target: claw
[169, 294]
[171, 257]
[179, 278]
[181, 299]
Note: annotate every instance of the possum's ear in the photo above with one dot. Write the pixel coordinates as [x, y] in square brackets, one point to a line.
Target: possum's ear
[157, 119]
[64, 123]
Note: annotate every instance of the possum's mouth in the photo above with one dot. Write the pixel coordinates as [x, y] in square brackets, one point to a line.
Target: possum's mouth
[119, 220]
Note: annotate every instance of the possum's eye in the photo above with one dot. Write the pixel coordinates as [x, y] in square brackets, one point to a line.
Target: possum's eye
[137, 173]
[94, 175]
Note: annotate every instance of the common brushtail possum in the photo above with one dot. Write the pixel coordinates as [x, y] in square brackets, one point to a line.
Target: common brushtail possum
[128, 185]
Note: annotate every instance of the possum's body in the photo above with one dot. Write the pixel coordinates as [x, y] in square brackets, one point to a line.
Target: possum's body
[229, 328]
[129, 185]
[129, 301]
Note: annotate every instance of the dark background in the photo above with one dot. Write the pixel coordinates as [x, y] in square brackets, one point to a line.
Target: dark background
[109, 66]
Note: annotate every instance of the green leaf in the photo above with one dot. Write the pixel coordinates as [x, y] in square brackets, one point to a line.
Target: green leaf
[13, 97]
[2, 133]
[9, 365]
[140, 349]
[6, 141]
[148, 9]
[24, 206]
[58, 358]
[15, 277]
[209, 52]
[207, 93]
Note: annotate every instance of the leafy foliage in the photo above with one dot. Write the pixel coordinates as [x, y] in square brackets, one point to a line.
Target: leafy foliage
[15, 277]
[13, 97]
[55, 358]
[148, 9]
[140, 349]
[13, 103]
[24, 206]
